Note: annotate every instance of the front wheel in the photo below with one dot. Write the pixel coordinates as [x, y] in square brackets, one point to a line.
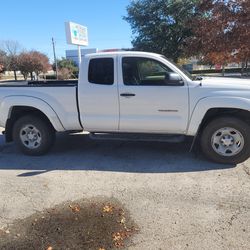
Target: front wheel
[226, 140]
[33, 135]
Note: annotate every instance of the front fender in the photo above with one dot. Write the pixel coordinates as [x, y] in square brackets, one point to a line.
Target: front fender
[29, 101]
[203, 105]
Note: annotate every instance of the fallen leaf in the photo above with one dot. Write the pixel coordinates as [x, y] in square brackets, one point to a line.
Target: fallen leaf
[119, 244]
[117, 236]
[50, 248]
[101, 248]
[123, 220]
[75, 208]
[107, 209]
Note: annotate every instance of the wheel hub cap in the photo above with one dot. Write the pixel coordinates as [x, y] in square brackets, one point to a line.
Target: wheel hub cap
[30, 136]
[227, 141]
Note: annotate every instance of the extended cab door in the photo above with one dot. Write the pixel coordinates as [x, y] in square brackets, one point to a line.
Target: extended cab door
[98, 93]
[149, 102]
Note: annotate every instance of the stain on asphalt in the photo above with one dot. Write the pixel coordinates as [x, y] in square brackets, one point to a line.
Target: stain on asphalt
[84, 224]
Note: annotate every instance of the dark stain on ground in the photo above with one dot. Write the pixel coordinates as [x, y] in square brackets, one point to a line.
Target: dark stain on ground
[85, 224]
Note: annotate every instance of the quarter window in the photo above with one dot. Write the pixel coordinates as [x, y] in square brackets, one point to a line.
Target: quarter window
[101, 71]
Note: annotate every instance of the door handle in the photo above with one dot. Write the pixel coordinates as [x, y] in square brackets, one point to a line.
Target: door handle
[127, 94]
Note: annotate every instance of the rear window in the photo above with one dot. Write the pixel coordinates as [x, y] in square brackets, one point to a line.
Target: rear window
[101, 71]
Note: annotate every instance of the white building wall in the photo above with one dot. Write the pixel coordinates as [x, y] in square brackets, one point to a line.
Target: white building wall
[73, 54]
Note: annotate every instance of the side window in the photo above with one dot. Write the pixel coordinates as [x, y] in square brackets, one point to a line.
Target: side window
[144, 71]
[101, 71]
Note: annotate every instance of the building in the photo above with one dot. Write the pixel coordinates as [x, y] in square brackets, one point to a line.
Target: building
[73, 54]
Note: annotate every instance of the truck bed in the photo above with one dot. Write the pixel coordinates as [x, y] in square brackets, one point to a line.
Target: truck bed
[59, 96]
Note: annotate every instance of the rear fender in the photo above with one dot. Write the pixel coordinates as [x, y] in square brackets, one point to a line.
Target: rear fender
[27, 101]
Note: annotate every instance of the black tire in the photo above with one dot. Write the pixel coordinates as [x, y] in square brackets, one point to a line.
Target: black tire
[45, 130]
[217, 124]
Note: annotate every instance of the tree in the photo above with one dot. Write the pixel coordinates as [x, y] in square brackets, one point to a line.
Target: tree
[12, 49]
[33, 61]
[221, 31]
[25, 64]
[67, 68]
[161, 25]
[40, 63]
[241, 33]
[219, 58]
[3, 59]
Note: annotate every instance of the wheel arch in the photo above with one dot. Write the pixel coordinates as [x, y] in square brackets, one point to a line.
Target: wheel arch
[214, 113]
[212, 107]
[13, 107]
[16, 113]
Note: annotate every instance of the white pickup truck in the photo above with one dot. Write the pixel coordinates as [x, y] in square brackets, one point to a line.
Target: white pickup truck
[132, 95]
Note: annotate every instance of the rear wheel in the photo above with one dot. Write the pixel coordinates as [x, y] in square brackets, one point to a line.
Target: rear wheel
[33, 135]
[226, 140]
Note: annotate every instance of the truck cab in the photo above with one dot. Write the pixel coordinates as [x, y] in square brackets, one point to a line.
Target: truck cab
[136, 93]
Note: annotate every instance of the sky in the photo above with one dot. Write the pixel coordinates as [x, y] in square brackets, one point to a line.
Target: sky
[34, 23]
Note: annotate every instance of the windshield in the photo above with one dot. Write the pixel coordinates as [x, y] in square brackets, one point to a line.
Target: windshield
[180, 68]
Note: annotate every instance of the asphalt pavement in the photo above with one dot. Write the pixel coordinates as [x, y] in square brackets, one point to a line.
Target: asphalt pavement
[177, 199]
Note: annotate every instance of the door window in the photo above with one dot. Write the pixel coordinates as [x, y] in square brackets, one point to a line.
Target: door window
[101, 71]
[144, 71]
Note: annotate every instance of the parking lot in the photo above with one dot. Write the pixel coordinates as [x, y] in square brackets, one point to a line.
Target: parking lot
[177, 199]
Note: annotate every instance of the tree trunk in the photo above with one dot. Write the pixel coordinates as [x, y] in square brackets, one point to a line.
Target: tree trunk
[31, 76]
[247, 67]
[223, 70]
[24, 76]
[37, 76]
[15, 75]
[242, 68]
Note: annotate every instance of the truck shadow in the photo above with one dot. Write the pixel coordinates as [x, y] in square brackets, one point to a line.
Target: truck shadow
[78, 152]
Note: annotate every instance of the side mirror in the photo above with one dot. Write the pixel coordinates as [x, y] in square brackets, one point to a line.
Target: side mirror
[173, 79]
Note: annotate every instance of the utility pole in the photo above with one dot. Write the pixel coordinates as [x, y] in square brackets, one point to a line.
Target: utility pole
[54, 51]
